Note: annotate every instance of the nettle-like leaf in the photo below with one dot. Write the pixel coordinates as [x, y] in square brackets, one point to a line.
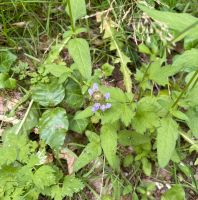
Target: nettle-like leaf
[122, 107]
[131, 138]
[73, 96]
[89, 153]
[109, 139]
[80, 52]
[146, 116]
[44, 177]
[167, 135]
[187, 60]
[6, 82]
[6, 60]
[50, 94]
[176, 21]
[78, 9]
[53, 126]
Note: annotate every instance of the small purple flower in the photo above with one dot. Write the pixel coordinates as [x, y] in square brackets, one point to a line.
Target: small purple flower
[93, 89]
[103, 107]
[107, 95]
[108, 105]
[96, 107]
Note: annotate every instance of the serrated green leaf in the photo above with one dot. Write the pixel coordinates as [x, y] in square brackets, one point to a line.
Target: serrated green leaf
[167, 135]
[78, 125]
[80, 52]
[176, 192]
[6, 82]
[50, 94]
[6, 60]
[108, 139]
[146, 116]
[44, 176]
[78, 9]
[73, 95]
[53, 126]
[192, 115]
[89, 153]
[131, 138]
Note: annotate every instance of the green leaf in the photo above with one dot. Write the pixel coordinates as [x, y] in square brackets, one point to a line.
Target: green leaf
[93, 137]
[78, 9]
[6, 60]
[50, 94]
[89, 153]
[44, 176]
[108, 138]
[73, 95]
[6, 82]
[107, 69]
[122, 107]
[80, 52]
[146, 115]
[53, 126]
[57, 69]
[176, 21]
[187, 60]
[71, 185]
[78, 125]
[84, 114]
[192, 114]
[131, 138]
[176, 192]
[167, 135]
[146, 166]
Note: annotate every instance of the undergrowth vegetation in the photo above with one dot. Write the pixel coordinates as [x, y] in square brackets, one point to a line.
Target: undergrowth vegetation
[98, 99]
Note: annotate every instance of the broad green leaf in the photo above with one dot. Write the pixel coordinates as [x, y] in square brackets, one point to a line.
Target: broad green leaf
[187, 60]
[176, 21]
[84, 114]
[122, 106]
[193, 121]
[53, 126]
[80, 52]
[78, 125]
[50, 94]
[131, 138]
[71, 185]
[57, 70]
[176, 192]
[146, 166]
[6, 60]
[78, 9]
[146, 116]
[44, 176]
[73, 95]
[109, 138]
[6, 82]
[89, 153]
[167, 135]
[93, 137]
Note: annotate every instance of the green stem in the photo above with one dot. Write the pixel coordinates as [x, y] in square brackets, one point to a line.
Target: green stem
[184, 90]
[71, 16]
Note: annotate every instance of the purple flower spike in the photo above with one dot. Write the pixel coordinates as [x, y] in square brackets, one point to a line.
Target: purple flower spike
[108, 105]
[103, 107]
[95, 87]
[107, 95]
[96, 107]
[90, 91]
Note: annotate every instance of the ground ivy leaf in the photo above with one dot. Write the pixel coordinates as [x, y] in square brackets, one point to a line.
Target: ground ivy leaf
[53, 126]
[80, 52]
[50, 94]
[108, 139]
[167, 135]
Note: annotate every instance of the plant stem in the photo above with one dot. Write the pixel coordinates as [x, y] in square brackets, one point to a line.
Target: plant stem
[185, 89]
[71, 16]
